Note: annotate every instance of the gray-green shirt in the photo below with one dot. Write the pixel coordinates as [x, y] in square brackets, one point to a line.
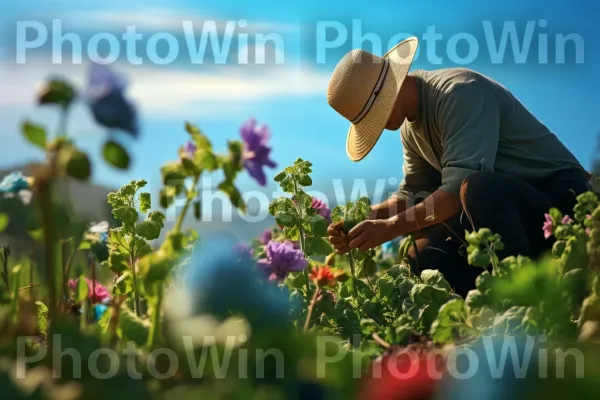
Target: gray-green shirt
[467, 123]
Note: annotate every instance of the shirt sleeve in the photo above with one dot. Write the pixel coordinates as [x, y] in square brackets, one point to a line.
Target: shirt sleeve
[420, 178]
[469, 119]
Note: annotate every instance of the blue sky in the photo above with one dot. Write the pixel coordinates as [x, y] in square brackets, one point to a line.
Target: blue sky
[290, 98]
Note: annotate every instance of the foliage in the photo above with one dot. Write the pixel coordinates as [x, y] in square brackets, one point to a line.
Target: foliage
[211, 306]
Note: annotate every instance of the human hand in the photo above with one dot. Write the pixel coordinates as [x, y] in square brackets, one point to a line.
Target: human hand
[370, 233]
[338, 238]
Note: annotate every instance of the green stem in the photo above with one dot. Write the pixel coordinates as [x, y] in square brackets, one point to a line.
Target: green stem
[5, 276]
[351, 259]
[413, 243]
[50, 243]
[186, 206]
[311, 307]
[70, 261]
[301, 233]
[492, 255]
[155, 329]
[460, 238]
[367, 278]
[136, 287]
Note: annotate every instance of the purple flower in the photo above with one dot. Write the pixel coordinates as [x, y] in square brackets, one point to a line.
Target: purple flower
[265, 237]
[321, 208]
[190, 149]
[256, 152]
[282, 259]
[548, 226]
[567, 220]
[243, 250]
[107, 102]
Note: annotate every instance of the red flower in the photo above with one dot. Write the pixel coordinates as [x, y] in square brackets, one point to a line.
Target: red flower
[407, 375]
[324, 276]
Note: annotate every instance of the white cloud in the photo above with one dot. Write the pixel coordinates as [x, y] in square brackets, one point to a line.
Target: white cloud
[158, 19]
[171, 93]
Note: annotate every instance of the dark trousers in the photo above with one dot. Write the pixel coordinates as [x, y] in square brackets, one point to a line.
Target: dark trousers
[509, 206]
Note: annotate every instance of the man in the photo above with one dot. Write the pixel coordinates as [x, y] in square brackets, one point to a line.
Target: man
[473, 157]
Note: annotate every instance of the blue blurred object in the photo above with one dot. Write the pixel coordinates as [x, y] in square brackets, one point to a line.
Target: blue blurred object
[99, 310]
[495, 368]
[223, 283]
[13, 183]
[105, 94]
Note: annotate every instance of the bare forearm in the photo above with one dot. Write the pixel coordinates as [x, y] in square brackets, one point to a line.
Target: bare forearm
[388, 209]
[440, 203]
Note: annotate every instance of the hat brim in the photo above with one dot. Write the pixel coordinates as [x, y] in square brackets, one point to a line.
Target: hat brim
[363, 136]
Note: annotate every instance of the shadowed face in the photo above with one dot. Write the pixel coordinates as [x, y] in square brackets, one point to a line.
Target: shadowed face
[398, 115]
[405, 106]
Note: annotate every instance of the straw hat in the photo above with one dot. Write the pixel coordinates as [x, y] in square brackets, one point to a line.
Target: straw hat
[364, 88]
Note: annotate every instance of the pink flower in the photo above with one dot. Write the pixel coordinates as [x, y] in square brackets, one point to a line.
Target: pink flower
[548, 226]
[567, 220]
[321, 208]
[588, 231]
[97, 293]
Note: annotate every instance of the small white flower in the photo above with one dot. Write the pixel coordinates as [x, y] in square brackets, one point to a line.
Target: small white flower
[100, 227]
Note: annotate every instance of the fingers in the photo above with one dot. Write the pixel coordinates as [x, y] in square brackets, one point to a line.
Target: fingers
[342, 250]
[335, 229]
[359, 242]
[356, 231]
[337, 239]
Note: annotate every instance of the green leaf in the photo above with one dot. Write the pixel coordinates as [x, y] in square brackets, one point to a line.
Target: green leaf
[385, 287]
[283, 204]
[451, 322]
[296, 280]
[305, 180]
[82, 290]
[35, 134]
[151, 227]
[4, 221]
[173, 174]
[127, 214]
[366, 267]
[77, 164]
[42, 317]
[435, 278]
[316, 246]
[58, 92]
[475, 300]
[141, 247]
[198, 210]
[234, 195]
[318, 225]
[158, 217]
[115, 155]
[280, 176]
[123, 285]
[145, 202]
[118, 262]
[149, 230]
[286, 219]
[349, 224]
[167, 196]
[131, 327]
[139, 184]
[478, 258]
